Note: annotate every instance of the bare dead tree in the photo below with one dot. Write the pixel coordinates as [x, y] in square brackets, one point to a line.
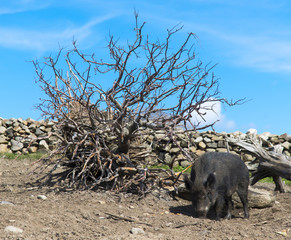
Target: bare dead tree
[100, 105]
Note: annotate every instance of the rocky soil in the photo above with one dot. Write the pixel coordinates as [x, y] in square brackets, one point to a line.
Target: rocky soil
[30, 212]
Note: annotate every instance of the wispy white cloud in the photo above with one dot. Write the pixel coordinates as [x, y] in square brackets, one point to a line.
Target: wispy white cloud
[18, 6]
[225, 124]
[267, 51]
[26, 39]
[262, 52]
[258, 37]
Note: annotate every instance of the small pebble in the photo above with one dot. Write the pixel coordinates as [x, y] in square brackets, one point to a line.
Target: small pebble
[42, 197]
[136, 231]
[169, 224]
[6, 203]
[13, 229]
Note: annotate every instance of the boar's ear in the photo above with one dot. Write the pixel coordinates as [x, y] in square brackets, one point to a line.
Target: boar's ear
[188, 182]
[210, 180]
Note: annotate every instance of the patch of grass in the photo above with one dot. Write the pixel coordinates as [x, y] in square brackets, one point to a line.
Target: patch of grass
[175, 169]
[166, 167]
[270, 180]
[32, 156]
[287, 182]
[180, 169]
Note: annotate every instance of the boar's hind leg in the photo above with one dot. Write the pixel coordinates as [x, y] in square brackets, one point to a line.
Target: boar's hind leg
[243, 195]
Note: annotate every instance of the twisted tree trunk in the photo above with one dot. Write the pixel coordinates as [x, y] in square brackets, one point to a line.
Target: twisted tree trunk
[272, 162]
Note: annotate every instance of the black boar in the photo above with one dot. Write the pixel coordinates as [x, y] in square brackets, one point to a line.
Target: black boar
[214, 178]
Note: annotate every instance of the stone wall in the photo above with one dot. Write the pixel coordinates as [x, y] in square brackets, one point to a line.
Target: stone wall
[16, 135]
[155, 147]
[166, 151]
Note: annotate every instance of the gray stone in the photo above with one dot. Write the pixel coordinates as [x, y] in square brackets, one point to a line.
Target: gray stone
[2, 130]
[202, 145]
[183, 192]
[286, 145]
[185, 163]
[265, 136]
[168, 159]
[207, 140]
[29, 120]
[6, 203]
[39, 132]
[43, 145]
[221, 150]
[199, 152]
[20, 120]
[192, 149]
[216, 138]
[42, 197]
[32, 126]
[9, 123]
[32, 149]
[184, 144]
[24, 151]
[54, 139]
[24, 127]
[136, 231]
[50, 124]
[257, 197]
[18, 139]
[16, 146]
[10, 132]
[175, 150]
[3, 148]
[13, 229]
[210, 150]
[248, 157]
[16, 124]
[221, 144]
[211, 144]
[252, 131]
[3, 139]
[198, 140]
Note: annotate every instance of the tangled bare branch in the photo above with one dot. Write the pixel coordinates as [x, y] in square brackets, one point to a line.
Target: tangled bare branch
[100, 105]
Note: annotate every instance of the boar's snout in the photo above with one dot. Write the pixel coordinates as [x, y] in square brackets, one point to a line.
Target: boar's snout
[201, 214]
[201, 210]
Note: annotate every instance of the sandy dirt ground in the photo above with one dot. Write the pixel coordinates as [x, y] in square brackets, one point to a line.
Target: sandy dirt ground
[106, 215]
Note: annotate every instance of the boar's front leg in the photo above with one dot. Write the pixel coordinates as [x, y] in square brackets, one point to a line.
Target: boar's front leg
[229, 206]
[220, 204]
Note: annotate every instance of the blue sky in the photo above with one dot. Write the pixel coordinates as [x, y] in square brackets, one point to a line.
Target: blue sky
[250, 40]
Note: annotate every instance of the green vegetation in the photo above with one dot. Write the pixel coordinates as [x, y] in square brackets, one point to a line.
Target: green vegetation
[32, 156]
[270, 180]
[38, 155]
[175, 169]
[180, 169]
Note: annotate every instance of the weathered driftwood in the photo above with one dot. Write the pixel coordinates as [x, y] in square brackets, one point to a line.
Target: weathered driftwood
[272, 162]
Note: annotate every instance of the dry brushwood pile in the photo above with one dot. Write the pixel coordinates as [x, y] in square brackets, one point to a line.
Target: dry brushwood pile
[91, 159]
[100, 105]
